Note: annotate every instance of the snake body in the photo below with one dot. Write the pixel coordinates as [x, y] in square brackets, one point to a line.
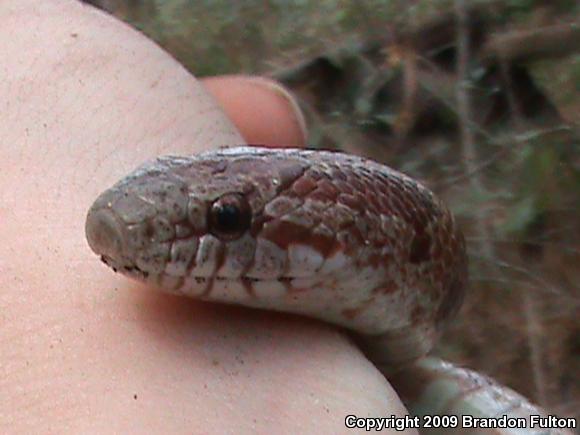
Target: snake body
[323, 234]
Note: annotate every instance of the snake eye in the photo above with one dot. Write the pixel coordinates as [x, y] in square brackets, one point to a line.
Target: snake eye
[229, 216]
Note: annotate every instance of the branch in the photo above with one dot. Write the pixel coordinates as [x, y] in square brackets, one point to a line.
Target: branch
[547, 42]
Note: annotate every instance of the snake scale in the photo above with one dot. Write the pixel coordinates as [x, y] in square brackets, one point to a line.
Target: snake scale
[318, 233]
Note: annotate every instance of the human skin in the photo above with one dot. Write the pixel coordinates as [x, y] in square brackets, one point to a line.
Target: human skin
[85, 99]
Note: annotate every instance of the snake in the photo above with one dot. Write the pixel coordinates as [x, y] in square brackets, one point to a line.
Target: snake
[323, 234]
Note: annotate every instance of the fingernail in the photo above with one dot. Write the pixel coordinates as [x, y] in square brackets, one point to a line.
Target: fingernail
[288, 98]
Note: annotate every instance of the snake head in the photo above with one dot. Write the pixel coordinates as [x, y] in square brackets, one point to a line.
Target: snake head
[323, 234]
[184, 222]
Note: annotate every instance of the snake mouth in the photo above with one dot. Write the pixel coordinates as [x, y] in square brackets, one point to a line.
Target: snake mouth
[131, 269]
[242, 279]
[128, 268]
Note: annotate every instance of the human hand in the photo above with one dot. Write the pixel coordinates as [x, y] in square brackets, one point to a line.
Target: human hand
[83, 350]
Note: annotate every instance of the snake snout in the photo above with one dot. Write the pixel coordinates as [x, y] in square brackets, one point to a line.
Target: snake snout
[105, 233]
[129, 234]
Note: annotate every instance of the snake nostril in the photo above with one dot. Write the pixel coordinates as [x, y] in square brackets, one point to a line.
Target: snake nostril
[104, 233]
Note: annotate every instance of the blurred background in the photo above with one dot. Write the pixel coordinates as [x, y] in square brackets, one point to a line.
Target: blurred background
[478, 99]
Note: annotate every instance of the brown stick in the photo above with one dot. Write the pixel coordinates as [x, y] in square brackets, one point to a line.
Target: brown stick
[547, 42]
